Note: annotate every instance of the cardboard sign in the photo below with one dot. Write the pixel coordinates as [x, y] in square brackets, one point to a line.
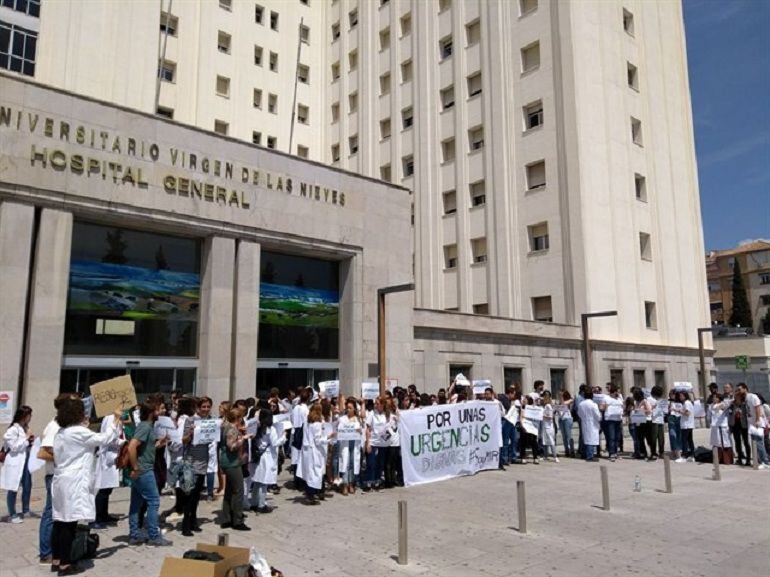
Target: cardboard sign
[113, 395]
[638, 417]
[206, 431]
[480, 386]
[6, 407]
[370, 391]
[329, 389]
[533, 413]
[350, 431]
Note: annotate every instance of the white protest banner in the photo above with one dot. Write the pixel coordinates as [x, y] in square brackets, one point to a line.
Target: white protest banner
[683, 386]
[113, 394]
[370, 390]
[252, 425]
[480, 386]
[88, 405]
[444, 441]
[6, 407]
[699, 410]
[164, 426]
[533, 413]
[206, 431]
[350, 431]
[638, 417]
[329, 389]
[33, 464]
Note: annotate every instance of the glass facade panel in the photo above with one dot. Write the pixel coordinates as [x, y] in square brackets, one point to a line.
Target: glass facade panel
[132, 293]
[299, 308]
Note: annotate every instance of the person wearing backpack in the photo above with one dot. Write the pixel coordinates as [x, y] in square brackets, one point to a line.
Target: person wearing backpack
[264, 460]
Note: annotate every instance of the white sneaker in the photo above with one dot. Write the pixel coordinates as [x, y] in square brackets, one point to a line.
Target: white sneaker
[174, 517]
[556, 459]
[763, 466]
[690, 460]
[16, 520]
[680, 460]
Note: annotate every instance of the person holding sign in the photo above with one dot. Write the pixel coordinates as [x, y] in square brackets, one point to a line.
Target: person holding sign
[659, 410]
[107, 476]
[549, 432]
[264, 460]
[377, 441]
[675, 427]
[590, 420]
[530, 427]
[198, 456]
[349, 429]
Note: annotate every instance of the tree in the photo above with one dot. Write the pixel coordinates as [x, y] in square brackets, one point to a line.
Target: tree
[116, 248]
[160, 259]
[741, 315]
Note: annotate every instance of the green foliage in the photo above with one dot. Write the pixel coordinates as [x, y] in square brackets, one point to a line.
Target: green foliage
[741, 315]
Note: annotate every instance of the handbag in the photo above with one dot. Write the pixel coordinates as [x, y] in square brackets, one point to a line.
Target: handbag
[122, 461]
[2, 454]
[85, 544]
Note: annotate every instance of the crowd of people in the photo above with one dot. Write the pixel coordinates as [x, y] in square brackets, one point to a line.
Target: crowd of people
[340, 444]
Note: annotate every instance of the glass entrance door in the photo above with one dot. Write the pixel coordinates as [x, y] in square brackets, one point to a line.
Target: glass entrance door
[285, 379]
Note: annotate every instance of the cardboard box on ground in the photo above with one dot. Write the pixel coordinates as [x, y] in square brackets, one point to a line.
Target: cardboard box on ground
[231, 557]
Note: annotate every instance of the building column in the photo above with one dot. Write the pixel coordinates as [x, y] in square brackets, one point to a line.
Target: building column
[48, 311]
[16, 229]
[246, 321]
[216, 318]
[355, 349]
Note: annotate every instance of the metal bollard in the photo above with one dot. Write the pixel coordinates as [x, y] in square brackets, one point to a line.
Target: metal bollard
[754, 460]
[522, 506]
[402, 533]
[717, 473]
[605, 488]
[223, 539]
[667, 473]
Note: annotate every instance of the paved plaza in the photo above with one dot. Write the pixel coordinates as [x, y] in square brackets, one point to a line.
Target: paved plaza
[467, 526]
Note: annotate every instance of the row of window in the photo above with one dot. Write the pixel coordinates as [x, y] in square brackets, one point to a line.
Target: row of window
[31, 7]
[18, 47]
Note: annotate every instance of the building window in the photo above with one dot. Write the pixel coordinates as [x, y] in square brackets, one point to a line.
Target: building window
[406, 71]
[303, 114]
[18, 47]
[167, 71]
[450, 256]
[272, 142]
[645, 246]
[256, 137]
[335, 112]
[536, 175]
[407, 164]
[633, 76]
[530, 57]
[763, 299]
[558, 378]
[764, 278]
[221, 127]
[478, 192]
[616, 378]
[303, 73]
[385, 172]
[385, 84]
[448, 150]
[226, 4]
[448, 97]
[636, 131]
[353, 60]
[538, 237]
[450, 202]
[640, 378]
[353, 18]
[407, 117]
[479, 249]
[335, 152]
[165, 112]
[628, 22]
[223, 86]
[640, 186]
[444, 5]
[272, 104]
[223, 42]
[257, 98]
[445, 47]
[274, 21]
[168, 23]
[259, 14]
[335, 31]
[31, 7]
[406, 24]
[474, 84]
[305, 2]
[513, 377]
[542, 309]
[527, 6]
[384, 39]
[473, 32]
[335, 71]
[257, 55]
[660, 379]
[385, 129]
[273, 62]
[383, 3]
[481, 309]
[533, 115]
[303, 151]
[476, 138]
[353, 102]
[353, 144]
[650, 315]
[304, 34]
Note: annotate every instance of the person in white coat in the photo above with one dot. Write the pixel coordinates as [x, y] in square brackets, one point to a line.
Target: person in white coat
[72, 488]
[350, 449]
[548, 429]
[17, 441]
[590, 421]
[264, 460]
[315, 442]
[719, 434]
[106, 477]
[298, 417]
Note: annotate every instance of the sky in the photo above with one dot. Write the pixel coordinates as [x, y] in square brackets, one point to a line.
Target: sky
[728, 49]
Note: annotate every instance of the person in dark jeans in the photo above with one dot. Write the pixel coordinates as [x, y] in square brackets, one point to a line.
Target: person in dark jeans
[199, 457]
[231, 464]
[740, 431]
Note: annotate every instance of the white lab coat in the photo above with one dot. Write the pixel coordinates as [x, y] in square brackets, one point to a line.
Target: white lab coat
[590, 420]
[719, 435]
[17, 445]
[313, 461]
[72, 489]
[266, 471]
[345, 453]
[298, 418]
[106, 475]
[549, 431]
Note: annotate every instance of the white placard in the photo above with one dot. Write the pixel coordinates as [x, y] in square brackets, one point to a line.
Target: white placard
[614, 410]
[561, 409]
[284, 418]
[88, 406]
[252, 425]
[533, 413]
[683, 386]
[6, 407]
[136, 416]
[480, 386]
[34, 463]
[599, 398]
[462, 380]
[328, 429]
[350, 431]
[164, 427]
[391, 384]
[329, 389]
[638, 417]
[206, 431]
[699, 411]
[370, 391]
[663, 406]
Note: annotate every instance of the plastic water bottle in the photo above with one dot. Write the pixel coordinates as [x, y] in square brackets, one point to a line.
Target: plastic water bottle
[637, 484]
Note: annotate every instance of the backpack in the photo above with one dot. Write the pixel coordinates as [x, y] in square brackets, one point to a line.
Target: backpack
[84, 545]
[702, 455]
[296, 440]
[256, 451]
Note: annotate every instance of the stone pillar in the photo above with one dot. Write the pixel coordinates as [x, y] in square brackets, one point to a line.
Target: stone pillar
[216, 318]
[351, 323]
[16, 225]
[246, 321]
[48, 311]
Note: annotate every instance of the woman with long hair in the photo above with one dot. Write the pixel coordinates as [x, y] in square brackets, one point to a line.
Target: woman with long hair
[264, 460]
[315, 441]
[565, 423]
[394, 474]
[378, 438]
[549, 432]
[675, 427]
[230, 461]
[687, 424]
[350, 449]
[530, 430]
[17, 441]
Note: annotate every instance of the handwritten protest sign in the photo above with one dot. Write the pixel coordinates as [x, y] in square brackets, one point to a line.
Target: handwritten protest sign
[329, 389]
[164, 426]
[206, 431]
[683, 386]
[533, 413]
[284, 418]
[112, 395]
[462, 380]
[370, 390]
[350, 431]
[480, 386]
[599, 398]
[638, 417]
[663, 406]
